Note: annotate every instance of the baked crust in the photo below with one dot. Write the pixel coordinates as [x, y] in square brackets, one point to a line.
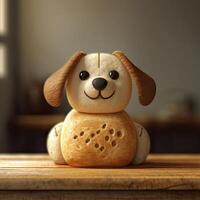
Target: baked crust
[98, 140]
[54, 85]
[145, 84]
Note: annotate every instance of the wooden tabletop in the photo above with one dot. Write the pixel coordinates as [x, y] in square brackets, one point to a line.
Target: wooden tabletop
[38, 172]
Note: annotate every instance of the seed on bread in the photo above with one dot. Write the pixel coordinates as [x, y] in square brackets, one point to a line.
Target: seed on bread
[81, 133]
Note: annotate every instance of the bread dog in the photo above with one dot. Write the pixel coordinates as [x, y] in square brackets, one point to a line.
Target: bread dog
[98, 132]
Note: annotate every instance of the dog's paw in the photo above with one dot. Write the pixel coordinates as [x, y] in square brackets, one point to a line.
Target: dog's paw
[143, 144]
[53, 144]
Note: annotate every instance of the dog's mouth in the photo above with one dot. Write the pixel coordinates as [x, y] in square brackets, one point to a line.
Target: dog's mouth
[99, 96]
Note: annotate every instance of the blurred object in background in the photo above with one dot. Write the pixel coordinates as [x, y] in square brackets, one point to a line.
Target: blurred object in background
[3, 34]
[3, 62]
[34, 99]
[179, 104]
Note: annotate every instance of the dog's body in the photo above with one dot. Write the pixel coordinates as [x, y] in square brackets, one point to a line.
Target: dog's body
[98, 132]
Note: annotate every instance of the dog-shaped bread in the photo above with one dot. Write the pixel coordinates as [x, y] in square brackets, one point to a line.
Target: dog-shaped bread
[97, 132]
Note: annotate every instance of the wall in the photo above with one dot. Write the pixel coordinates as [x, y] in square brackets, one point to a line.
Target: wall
[160, 36]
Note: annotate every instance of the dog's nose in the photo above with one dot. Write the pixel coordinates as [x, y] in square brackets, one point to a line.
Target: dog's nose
[99, 83]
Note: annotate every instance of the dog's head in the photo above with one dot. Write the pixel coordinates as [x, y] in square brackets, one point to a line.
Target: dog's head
[98, 83]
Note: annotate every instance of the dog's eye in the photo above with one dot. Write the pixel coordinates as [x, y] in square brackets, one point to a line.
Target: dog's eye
[114, 74]
[84, 75]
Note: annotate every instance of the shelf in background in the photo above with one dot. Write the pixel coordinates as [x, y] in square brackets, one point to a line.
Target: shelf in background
[47, 121]
[28, 133]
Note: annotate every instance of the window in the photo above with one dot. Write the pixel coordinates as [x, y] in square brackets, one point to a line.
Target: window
[3, 37]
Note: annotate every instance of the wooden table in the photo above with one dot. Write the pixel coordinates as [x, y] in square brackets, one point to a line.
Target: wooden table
[161, 177]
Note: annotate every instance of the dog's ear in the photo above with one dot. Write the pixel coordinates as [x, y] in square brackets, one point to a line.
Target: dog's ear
[146, 86]
[54, 85]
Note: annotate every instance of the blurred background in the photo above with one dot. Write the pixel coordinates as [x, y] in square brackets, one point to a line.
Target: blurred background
[159, 36]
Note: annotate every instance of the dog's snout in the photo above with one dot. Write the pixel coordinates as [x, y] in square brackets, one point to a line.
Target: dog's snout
[99, 83]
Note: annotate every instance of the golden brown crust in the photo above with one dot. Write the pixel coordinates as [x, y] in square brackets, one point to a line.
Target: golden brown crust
[98, 140]
[53, 87]
[145, 84]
